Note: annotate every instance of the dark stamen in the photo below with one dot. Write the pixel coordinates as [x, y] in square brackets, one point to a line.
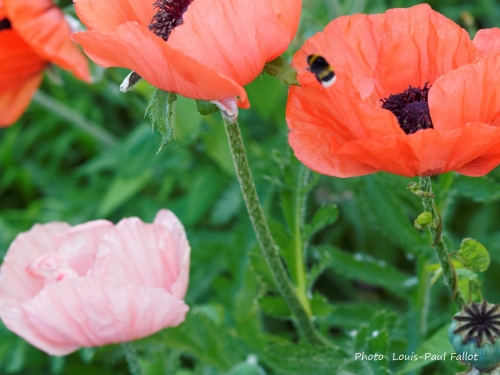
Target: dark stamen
[168, 17]
[5, 24]
[410, 108]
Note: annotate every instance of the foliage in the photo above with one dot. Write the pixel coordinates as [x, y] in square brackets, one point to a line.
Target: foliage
[362, 253]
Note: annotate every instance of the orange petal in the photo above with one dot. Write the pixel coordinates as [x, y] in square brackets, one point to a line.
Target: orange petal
[322, 121]
[108, 15]
[390, 154]
[419, 45]
[487, 41]
[477, 150]
[45, 29]
[468, 94]
[134, 47]
[351, 45]
[13, 102]
[235, 38]
[288, 12]
[18, 62]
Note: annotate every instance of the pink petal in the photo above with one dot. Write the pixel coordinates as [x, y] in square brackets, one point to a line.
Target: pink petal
[145, 254]
[15, 282]
[84, 312]
[79, 244]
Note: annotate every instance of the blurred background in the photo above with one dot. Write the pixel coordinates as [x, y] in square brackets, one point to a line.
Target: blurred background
[83, 152]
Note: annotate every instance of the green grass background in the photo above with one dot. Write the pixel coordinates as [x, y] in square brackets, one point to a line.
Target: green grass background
[53, 169]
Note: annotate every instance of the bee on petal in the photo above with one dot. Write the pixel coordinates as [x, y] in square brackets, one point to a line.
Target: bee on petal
[321, 69]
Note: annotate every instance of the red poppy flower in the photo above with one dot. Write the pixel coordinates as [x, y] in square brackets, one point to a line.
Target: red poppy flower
[33, 34]
[413, 96]
[203, 49]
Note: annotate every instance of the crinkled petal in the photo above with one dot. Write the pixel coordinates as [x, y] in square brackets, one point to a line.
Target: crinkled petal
[351, 46]
[468, 94]
[83, 312]
[18, 62]
[134, 47]
[95, 14]
[79, 244]
[390, 154]
[471, 150]
[419, 45]
[15, 101]
[487, 41]
[135, 252]
[44, 28]
[322, 120]
[235, 38]
[180, 243]
[15, 282]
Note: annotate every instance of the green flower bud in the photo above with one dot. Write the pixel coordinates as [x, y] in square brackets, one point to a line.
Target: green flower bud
[473, 333]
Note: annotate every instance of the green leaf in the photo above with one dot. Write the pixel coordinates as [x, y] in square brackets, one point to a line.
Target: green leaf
[227, 206]
[322, 261]
[281, 69]
[292, 359]
[362, 267]
[479, 189]
[320, 305]
[274, 306]
[351, 315]
[205, 108]
[324, 216]
[436, 344]
[121, 190]
[474, 255]
[246, 369]
[161, 111]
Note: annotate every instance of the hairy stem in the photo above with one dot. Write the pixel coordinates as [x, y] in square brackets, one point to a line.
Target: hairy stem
[267, 245]
[450, 276]
[132, 359]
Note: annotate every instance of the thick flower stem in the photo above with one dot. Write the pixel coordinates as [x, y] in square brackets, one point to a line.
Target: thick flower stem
[132, 360]
[267, 245]
[450, 277]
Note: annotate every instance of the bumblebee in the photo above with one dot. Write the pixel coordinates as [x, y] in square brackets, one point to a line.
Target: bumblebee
[321, 69]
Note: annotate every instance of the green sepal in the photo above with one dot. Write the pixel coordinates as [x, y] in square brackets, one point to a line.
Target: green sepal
[161, 112]
[281, 69]
[205, 108]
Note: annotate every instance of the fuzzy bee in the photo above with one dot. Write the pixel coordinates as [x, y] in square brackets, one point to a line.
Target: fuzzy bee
[321, 69]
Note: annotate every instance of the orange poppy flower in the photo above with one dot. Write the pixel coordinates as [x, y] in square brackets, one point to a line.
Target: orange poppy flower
[33, 34]
[203, 49]
[413, 96]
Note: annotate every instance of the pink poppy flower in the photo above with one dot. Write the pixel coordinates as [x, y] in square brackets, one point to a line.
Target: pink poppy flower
[63, 287]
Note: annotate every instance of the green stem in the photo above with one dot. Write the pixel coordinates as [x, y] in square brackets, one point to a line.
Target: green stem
[267, 245]
[450, 277]
[132, 359]
[300, 268]
[75, 118]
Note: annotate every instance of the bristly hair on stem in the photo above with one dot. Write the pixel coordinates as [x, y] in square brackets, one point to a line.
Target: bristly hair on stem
[168, 16]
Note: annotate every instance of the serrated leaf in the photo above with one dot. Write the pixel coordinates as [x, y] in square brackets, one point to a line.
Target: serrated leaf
[323, 260]
[274, 306]
[161, 112]
[324, 216]
[479, 189]
[386, 213]
[320, 305]
[362, 267]
[205, 108]
[281, 69]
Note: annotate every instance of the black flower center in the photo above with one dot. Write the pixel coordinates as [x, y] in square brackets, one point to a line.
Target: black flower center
[479, 322]
[5, 24]
[168, 16]
[410, 108]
